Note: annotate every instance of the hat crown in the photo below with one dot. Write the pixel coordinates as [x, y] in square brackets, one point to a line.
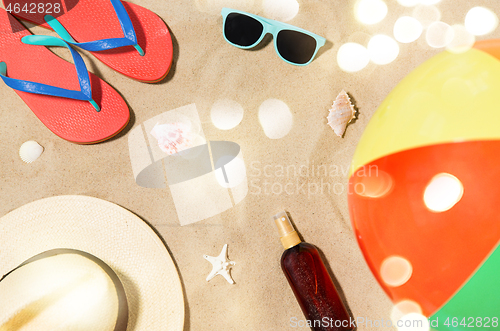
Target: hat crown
[68, 291]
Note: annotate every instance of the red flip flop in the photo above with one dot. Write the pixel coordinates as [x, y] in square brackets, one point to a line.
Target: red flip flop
[80, 108]
[109, 29]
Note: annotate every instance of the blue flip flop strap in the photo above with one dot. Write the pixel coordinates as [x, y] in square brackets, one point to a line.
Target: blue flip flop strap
[85, 92]
[129, 39]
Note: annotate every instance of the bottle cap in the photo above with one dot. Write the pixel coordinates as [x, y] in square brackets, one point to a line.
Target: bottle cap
[288, 236]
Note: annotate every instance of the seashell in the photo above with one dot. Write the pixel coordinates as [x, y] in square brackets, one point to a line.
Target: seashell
[30, 151]
[341, 113]
[172, 137]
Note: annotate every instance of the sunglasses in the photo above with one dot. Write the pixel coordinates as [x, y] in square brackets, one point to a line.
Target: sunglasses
[294, 45]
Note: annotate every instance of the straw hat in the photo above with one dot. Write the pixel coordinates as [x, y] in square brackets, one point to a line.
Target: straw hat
[134, 253]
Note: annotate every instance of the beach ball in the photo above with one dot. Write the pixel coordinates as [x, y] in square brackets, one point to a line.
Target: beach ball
[425, 203]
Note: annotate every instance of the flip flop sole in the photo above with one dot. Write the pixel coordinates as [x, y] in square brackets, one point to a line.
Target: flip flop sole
[91, 20]
[74, 120]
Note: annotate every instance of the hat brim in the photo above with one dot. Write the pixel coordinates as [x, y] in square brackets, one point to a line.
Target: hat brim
[116, 236]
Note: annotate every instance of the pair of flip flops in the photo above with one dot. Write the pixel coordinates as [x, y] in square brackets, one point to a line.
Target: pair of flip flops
[82, 108]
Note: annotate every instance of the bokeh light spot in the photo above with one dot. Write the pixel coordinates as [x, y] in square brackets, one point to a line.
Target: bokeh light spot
[281, 10]
[462, 41]
[226, 114]
[408, 3]
[439, 34]
[352, 57]
[426, 15]
[403, 308]
[375, 184]
[383, 49]
[480, 21]
[370, 11]
[407, 29]
[275, 118]
[443, 192]
[396, 271]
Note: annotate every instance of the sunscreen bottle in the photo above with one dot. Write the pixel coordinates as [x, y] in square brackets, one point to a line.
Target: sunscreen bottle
[312, 285]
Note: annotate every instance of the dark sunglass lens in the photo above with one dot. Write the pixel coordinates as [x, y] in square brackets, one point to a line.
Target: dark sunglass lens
[242, 30]
[295, 46]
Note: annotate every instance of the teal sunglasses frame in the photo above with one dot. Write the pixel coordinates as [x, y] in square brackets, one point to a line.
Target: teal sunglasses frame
[273, 27]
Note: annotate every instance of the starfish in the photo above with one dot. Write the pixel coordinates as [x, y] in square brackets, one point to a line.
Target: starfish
[221, 265]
